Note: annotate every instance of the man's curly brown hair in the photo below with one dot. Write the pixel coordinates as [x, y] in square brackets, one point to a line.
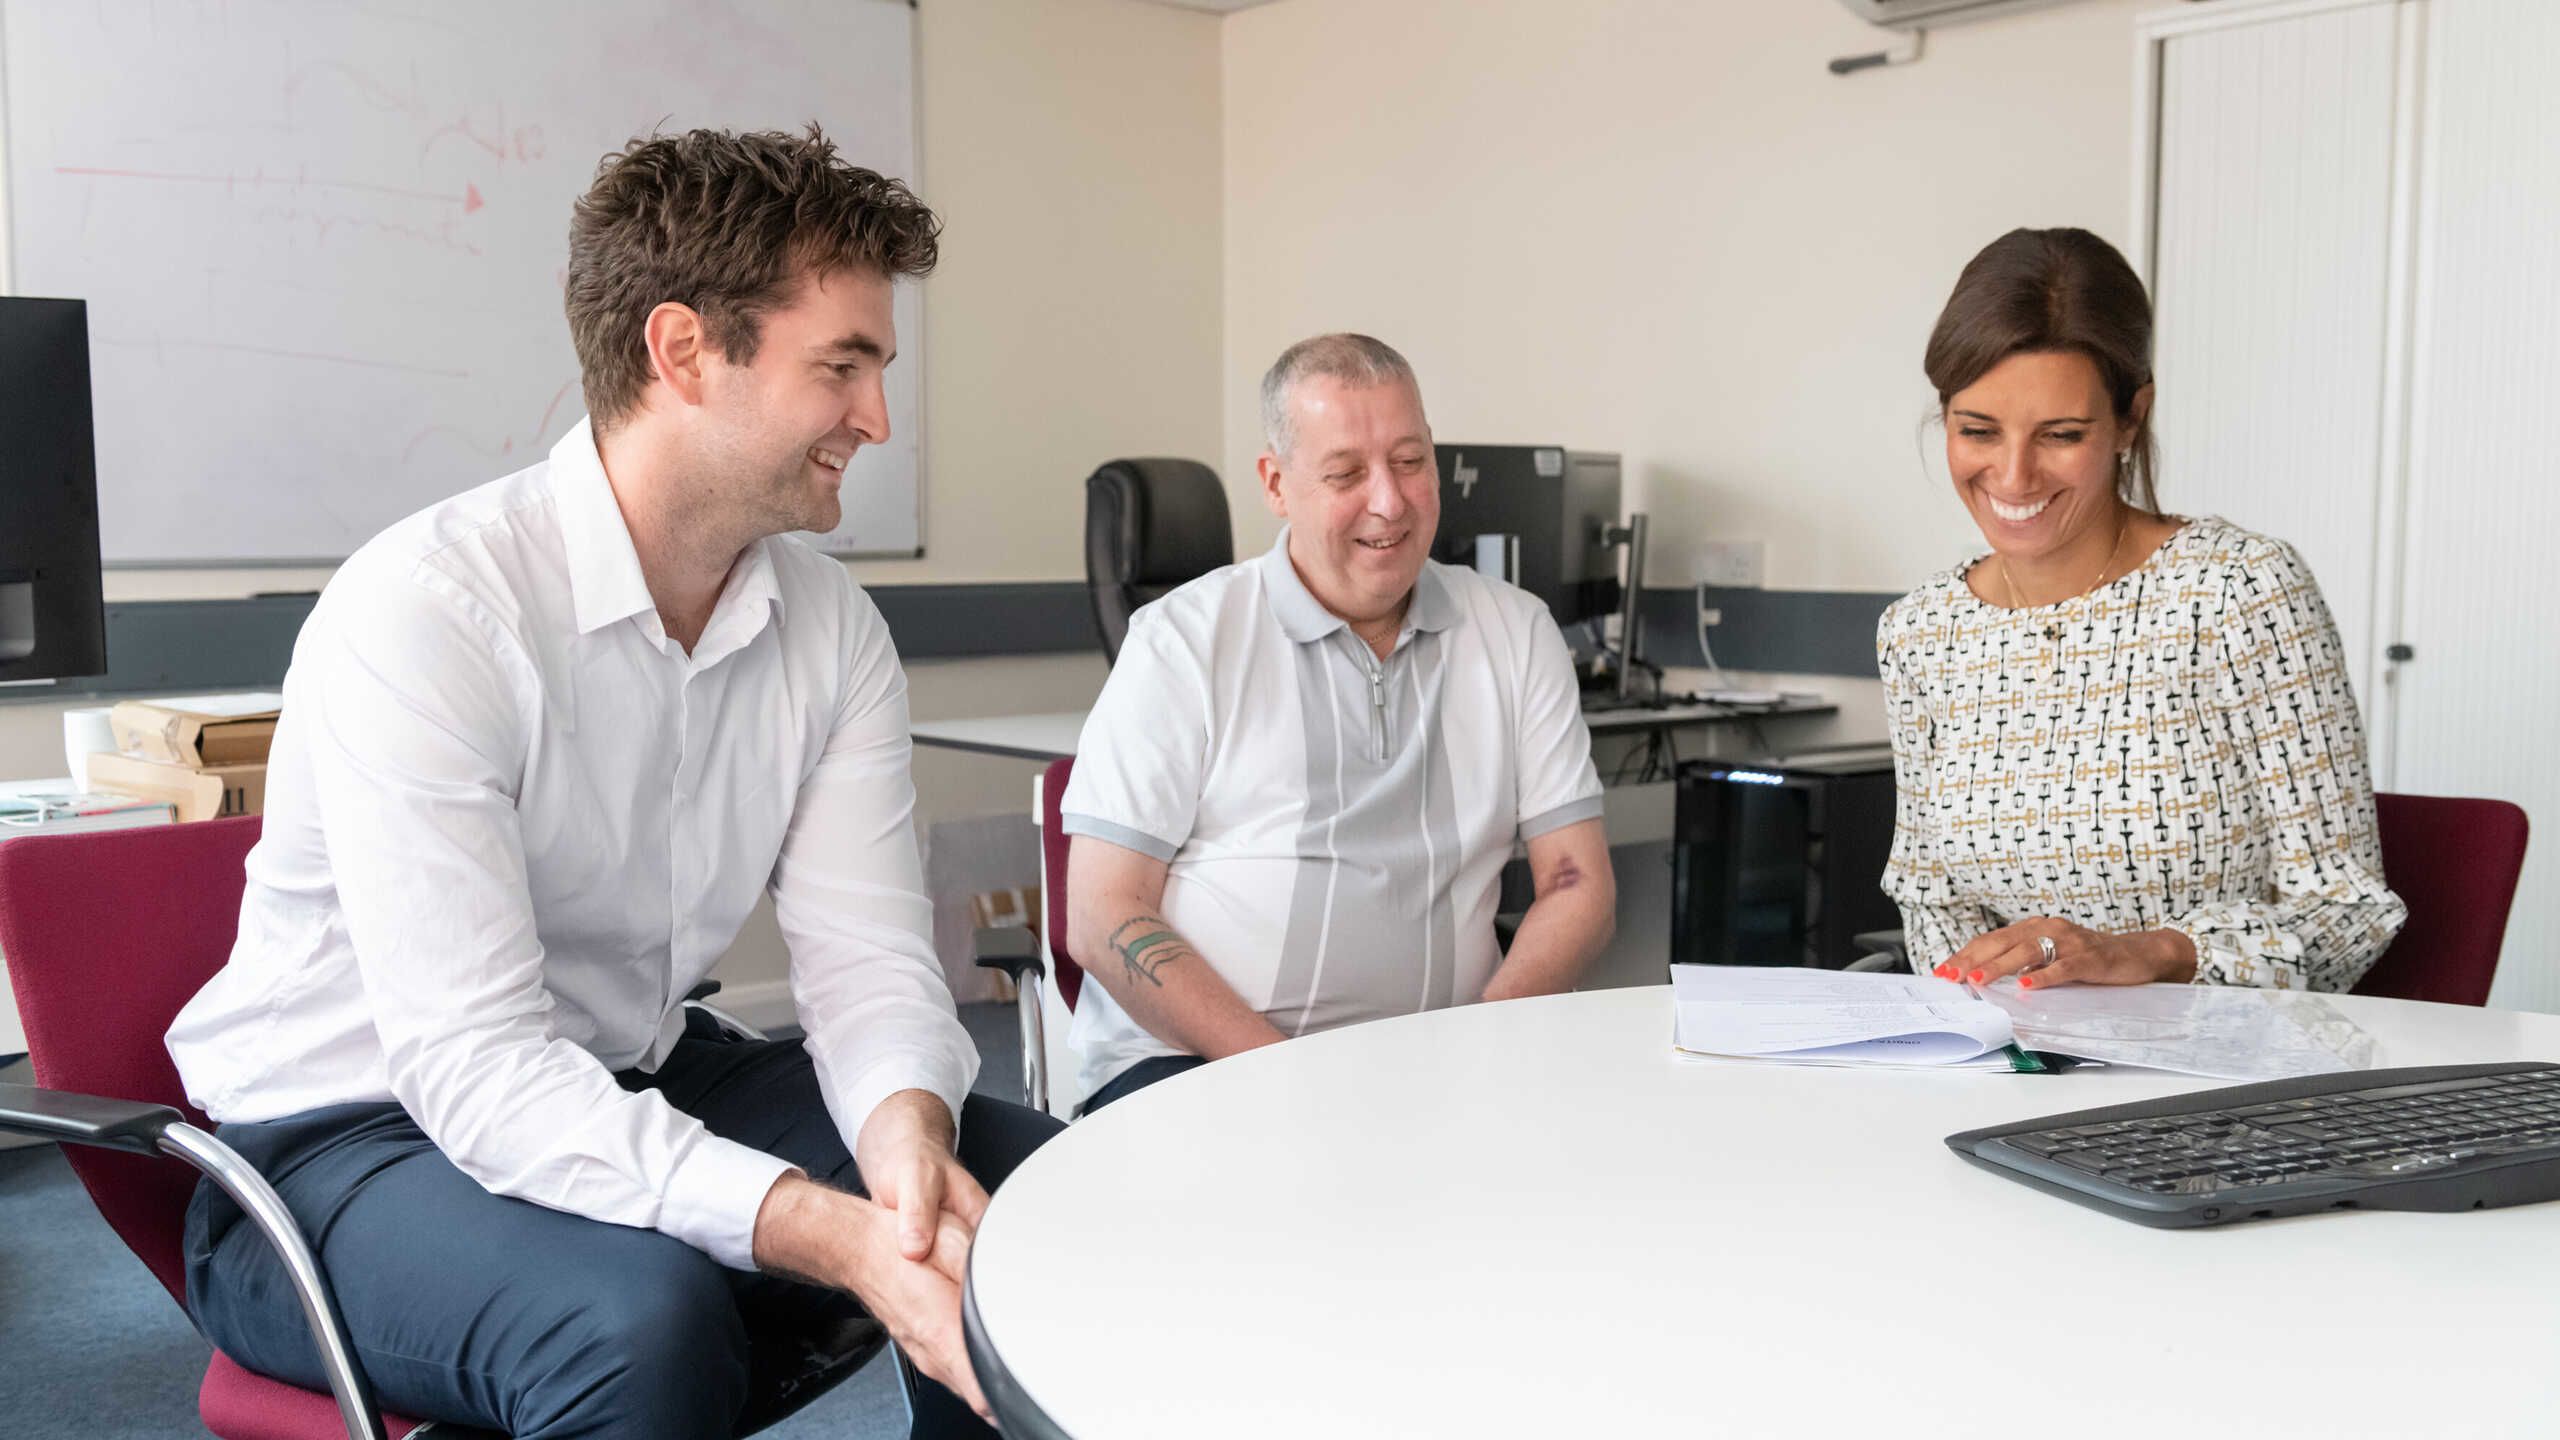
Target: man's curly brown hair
[724, 223]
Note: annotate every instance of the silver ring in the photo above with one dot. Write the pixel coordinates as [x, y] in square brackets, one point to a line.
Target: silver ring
[2045, 944]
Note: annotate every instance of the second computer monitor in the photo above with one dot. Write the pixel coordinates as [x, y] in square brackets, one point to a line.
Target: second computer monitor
[52, 616]
[1538, 515]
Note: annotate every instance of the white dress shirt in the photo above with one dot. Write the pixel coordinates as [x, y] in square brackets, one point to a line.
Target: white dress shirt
[510, 823]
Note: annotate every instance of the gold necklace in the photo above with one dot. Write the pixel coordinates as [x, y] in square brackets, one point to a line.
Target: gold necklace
[2124, 527]
[1393, 628]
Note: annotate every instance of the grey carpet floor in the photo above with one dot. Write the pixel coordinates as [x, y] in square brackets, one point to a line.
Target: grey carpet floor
[91, 1346]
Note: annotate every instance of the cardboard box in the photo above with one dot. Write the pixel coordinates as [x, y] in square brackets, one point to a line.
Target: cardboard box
[199, 732]
[1002, 909]
[196, 794]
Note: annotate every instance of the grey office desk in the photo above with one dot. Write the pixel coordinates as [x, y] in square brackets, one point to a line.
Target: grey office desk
[1639, 819]
[1053, 736]
[1636, 719]
[1021, 737]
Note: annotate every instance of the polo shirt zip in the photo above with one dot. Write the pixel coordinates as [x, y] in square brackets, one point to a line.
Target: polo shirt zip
[1377, 696]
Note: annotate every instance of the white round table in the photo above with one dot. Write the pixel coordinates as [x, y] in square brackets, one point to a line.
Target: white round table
[1535, 1219]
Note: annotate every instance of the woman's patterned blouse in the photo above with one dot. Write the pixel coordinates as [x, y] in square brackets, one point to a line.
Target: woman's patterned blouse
[2176, 750]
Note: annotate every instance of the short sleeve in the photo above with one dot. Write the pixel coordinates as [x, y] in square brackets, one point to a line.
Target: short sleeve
[1558, 784]
[1144, 751]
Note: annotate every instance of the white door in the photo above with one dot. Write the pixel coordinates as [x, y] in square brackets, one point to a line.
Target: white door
[2479, 702]
[2270, 257]
[2355, 245]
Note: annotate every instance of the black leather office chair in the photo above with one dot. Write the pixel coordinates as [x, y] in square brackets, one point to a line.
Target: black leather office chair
[1150, 526]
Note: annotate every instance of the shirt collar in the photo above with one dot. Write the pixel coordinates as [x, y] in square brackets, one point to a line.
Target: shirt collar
[1303, 617]
[605, 583]
[752, 597]
[1434, 608]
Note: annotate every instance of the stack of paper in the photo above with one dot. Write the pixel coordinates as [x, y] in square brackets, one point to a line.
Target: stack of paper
[1831, 1017]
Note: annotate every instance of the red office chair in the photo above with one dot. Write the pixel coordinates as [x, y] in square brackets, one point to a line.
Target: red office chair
[2455, 862]
[107, 935]
[1029, 959]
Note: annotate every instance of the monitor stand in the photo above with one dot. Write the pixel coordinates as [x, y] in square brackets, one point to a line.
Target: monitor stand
[1627, 651]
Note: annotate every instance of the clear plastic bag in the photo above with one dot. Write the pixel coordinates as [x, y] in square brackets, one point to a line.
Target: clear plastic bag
[2221, 1032]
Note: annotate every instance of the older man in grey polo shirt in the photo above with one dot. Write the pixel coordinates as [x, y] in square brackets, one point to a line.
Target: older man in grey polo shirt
[1293, 802]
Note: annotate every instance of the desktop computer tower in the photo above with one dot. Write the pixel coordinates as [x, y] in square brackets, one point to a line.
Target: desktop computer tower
[1780, 862]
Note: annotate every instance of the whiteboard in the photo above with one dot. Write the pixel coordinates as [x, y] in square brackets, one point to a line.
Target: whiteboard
[323, 242]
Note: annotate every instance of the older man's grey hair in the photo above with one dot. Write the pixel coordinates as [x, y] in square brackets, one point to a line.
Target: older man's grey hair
[1351, 359]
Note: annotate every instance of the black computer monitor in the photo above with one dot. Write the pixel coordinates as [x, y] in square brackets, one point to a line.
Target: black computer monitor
[53, 616]
[1537, 514]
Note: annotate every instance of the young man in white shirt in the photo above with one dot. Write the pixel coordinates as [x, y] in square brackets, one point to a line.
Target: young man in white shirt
[543, 746]
[1293, 801]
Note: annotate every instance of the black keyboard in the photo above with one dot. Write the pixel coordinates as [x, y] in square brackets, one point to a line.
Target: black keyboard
[2441, 1137]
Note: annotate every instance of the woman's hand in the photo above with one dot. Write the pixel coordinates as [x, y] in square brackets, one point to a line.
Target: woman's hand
[2077, 956]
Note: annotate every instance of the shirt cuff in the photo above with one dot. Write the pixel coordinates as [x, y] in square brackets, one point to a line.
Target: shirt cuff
[714, 1196]
[1121, 835]
[905, 1072]
[1569, 813]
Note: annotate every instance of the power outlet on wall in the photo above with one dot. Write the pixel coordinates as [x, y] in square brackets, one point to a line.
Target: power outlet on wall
[1733, 564]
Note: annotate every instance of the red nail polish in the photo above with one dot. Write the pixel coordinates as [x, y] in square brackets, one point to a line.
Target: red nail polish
[2026, 982]
[1979, 977]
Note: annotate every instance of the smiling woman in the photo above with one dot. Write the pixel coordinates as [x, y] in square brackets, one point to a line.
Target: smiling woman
[2125, 745]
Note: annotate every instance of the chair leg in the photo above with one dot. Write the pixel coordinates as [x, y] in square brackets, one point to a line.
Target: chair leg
[259, 1201]
[1035, 1044]
[726, 1021]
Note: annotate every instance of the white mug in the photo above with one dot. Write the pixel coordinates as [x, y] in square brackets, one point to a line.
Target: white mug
[85, 732]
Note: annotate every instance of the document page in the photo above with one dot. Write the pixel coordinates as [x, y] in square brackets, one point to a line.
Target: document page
[1830, 1016]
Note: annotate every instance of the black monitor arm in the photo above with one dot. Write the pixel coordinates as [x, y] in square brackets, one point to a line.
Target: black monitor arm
[1630, 535]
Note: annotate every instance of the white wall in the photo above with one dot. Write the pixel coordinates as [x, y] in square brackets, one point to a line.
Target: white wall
[1071, 147]
[1663, 228]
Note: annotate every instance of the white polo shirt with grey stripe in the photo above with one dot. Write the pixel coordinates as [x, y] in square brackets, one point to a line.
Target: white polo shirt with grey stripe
[1336, 825]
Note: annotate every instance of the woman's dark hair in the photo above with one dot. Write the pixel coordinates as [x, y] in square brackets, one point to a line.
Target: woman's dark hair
[2048, 291]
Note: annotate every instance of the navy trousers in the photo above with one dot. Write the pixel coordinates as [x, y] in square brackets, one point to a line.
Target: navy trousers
[1138, 1077]
[480, 1310]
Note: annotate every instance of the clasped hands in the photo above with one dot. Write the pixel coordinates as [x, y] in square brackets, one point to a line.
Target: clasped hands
[904, 1251]
[2080, 956]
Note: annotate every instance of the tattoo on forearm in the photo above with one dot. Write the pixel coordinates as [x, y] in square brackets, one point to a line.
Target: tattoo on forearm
[1146, 945]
